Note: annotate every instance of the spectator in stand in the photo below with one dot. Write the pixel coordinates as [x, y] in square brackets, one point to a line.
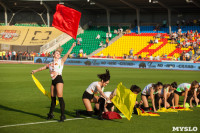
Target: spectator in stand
[174, 58]
[156, 41]
[10, 55]
[190, 53]
[157, 28]
[115, 31]
[84, 55]
[79, 40]
[135, 57]
[151, 57]
[46, 54]
[120, 30]
[98, 36]
[81, 55]
[131, 51]
[4, 55]
[74, 55]
[187, 56]
[108, 56]
[157, 57]
[49, 54]
[81, 51]
[14, 55]
[42, 55]
[107, 35]
[101, 55]
[7, 55]
[195, 47]
[139, 57]
[107, 41]
[151, 41]
[38, 54]
[71, 55]
[146, 58]
[1, 55]
[110, 35]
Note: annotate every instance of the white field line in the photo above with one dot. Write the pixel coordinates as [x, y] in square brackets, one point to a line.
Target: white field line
[34, 123]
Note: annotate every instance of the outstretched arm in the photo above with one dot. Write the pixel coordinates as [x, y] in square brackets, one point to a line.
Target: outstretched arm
[185, 98]
[152, 99]
[195, 97]
[67, 54]
[39, 69]
[165, 98]
[101, 92]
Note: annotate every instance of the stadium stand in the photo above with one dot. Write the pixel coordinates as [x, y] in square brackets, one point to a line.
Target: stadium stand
[89, 42]
[151, 29]
[143, 47]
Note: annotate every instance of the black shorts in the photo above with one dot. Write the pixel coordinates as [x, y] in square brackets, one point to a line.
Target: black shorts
[109, 106]
[179, 93]
[144, 95]
[170, 98]
[87, 95]
[58, 79]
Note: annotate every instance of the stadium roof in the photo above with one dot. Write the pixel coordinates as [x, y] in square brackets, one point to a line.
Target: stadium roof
[100, 6]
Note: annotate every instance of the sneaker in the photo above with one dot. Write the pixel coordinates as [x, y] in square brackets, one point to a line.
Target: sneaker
[50, 116]
[62, 118]
[100, 117]
[77, 113]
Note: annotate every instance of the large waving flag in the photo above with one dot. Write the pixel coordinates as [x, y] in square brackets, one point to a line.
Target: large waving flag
[41, 88]
[67, 20]
[124, 100]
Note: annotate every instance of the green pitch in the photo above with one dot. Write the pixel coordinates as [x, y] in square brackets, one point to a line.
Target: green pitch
[21, 102]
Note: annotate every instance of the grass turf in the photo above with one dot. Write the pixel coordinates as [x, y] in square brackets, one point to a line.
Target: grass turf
[22, 102]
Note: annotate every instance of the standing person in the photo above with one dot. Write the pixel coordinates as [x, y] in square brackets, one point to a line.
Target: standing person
[149, 92]
[14, 55]
[4, 55]
[131, 51]
[94, 88]
[1, 55]
[55, 69]
[167, 95]
[188, 91]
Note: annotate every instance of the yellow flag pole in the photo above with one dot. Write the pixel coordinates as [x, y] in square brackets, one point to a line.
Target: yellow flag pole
[41, 88]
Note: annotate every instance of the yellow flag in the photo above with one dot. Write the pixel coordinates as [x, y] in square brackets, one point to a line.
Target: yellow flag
[41, 88]
[167, 110]
[124, 100]
[146, 113]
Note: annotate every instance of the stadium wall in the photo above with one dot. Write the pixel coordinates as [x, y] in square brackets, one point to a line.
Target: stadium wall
[34, 18]
[126, 64]
[145, 17]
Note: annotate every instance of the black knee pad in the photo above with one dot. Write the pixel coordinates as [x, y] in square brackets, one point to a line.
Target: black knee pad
[53, 99]
[101, 100]
[90, 113]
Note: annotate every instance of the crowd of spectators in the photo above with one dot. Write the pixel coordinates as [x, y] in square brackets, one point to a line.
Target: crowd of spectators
[13, 55]
[25, 56]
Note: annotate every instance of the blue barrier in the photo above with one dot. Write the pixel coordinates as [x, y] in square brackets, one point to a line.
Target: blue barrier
[124, 63]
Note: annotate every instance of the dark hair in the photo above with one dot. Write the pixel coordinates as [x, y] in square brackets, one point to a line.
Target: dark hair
[174, 85]
[157, 84]
[105, 77]
[166, 85]
[135, 88]
[193, 86]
